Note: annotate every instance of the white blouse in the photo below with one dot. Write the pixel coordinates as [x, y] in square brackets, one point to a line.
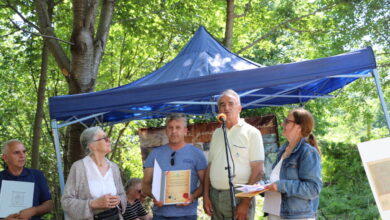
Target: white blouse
[273, 200]
[99, 185]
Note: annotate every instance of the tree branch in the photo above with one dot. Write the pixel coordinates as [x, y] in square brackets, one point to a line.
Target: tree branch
[37, 34]
[115, 147]
[273, 29]
[100, 41]
[21, 16]
[8, 5]
[383, 65]
[45, 27]
[288, 26]
[6, 35]
[227, 41]
[248, 7]
[157, 12]
[162, 58]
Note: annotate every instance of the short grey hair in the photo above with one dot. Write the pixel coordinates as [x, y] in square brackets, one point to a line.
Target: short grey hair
[176, 116]
[4, 149]
[88, 135]
[229, 92]
[131, 183]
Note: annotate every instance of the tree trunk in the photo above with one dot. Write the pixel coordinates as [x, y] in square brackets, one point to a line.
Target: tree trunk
[86, 52]
[75, 150]
[87, 49]
[37, 128]
[229, 24]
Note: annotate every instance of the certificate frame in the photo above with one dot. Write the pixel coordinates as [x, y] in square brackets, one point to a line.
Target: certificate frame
[177, 186]
[171, 187]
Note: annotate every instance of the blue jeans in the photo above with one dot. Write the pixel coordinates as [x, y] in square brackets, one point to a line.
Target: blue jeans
[190, 217]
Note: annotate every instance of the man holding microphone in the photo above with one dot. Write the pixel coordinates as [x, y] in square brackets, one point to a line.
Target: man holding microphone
[247, 158]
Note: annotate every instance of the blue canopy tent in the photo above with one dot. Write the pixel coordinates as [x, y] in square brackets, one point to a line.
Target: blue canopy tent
[191, 82]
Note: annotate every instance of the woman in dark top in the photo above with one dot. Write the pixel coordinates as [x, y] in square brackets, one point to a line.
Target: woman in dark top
[134, 209]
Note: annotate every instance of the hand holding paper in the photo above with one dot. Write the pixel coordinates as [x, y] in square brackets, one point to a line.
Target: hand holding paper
[187, 202]
[15, 196]
[250, 190]
[27, 213]
[158, 203]
[272, 187]
[13, 217]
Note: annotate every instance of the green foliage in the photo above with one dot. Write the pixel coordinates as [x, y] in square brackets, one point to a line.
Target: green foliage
[346, 193]
[342, 165]
[146, 34]
[129, 152]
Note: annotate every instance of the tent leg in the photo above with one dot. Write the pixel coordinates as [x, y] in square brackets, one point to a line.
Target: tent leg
[58, 155]
[381, 98]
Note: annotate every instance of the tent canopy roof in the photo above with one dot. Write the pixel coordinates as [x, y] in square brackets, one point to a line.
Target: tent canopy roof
[192, 81]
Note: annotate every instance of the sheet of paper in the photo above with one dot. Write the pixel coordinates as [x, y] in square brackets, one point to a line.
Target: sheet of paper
[250, 190]
[15, 196]
[376, 160]
[156, 185]
[178, 186]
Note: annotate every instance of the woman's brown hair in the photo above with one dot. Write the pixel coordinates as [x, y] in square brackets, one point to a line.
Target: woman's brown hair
[305, 119]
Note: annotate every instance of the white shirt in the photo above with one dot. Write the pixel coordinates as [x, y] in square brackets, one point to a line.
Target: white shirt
[273, 200]
[99, 185]
[246, 145]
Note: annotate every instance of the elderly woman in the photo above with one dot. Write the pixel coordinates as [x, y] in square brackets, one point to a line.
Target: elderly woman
[94, 187]
[134, 209]
[296, 175]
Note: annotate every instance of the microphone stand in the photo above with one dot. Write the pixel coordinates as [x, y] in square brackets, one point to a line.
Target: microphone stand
[230, 176]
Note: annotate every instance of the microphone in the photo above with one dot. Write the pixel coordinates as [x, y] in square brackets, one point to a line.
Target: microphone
[221, 118]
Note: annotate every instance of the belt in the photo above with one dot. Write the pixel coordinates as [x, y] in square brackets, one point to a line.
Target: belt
[220, 190]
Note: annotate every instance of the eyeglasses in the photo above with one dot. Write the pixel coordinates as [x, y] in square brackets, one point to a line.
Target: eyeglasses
[106, 139]
[173, 158]
[138, 190]
[286, 121]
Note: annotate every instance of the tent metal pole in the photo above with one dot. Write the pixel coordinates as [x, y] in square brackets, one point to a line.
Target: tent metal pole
[278, 93]
[58, 154]
[79, 120]
[381, 98]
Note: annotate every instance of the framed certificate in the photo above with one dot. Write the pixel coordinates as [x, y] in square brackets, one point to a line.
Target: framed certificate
[171, 187]
[15, 196]
[177, 186]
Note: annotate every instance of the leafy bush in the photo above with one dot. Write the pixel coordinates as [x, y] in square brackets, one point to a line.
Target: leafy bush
[346, 193]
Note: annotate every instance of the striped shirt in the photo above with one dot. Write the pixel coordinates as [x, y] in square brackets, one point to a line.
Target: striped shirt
[134, 211]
